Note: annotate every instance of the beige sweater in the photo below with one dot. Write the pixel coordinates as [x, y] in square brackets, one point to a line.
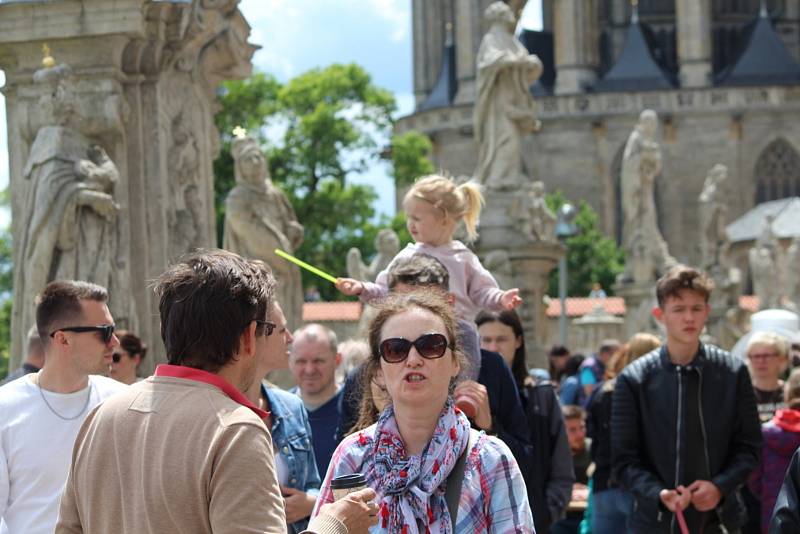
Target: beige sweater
[178, 456]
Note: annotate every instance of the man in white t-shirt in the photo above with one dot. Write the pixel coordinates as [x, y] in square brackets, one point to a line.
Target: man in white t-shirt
[41, 413]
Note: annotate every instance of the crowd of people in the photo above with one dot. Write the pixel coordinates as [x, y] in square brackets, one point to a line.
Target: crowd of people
[435, 411]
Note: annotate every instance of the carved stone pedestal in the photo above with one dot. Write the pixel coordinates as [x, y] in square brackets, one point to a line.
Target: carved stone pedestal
[530, 265]
[639, 302]
[594, 327]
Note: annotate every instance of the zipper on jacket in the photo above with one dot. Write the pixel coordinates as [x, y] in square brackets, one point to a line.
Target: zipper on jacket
[678, 370]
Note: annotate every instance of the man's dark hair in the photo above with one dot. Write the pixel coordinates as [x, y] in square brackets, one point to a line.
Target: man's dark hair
[59, 303]
[558, 350]
[683, 277]
[609, 345]
[419, 270]
[572, 411]
[206, 301]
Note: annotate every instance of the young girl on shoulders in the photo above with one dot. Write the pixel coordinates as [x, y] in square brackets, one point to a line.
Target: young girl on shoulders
[434, 206]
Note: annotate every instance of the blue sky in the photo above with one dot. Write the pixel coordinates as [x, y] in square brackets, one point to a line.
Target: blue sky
[297, 35]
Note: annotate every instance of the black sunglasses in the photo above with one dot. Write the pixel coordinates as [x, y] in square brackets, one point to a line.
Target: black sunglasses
[429, 346]
[106, 330]
[268, 326]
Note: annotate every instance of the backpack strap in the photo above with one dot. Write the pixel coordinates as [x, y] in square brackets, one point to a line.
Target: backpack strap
[455, 479]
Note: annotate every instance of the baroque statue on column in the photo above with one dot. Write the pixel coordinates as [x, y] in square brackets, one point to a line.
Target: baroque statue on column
[69, 229]
[387, 243]
[536, 221]
[504, 107]
[259, 219]
[646, 252]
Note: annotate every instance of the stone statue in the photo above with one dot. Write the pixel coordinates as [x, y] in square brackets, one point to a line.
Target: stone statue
[185, 211]
[387, 243]
[504, 107]
[714, 242]
[793, 273]
[498, 263]
[645, 249]
[259, 219]
[69, 226]
[766, 267]
[530, 211]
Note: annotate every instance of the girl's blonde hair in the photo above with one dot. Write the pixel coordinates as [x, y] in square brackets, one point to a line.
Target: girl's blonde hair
[457, 201]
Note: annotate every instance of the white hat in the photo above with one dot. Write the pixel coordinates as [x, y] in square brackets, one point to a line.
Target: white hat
[781, 322]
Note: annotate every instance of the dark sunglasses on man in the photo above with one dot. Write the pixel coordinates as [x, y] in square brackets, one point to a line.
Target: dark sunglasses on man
[429, 346]
[106, 330]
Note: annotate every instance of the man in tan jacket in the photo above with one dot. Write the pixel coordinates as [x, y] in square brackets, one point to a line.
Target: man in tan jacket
[185, 451]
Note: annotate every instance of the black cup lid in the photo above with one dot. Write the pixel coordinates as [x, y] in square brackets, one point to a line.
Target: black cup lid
[348, 481]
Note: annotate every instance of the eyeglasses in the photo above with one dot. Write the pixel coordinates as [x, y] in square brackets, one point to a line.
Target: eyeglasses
[268, 326]
[762, 356]
[429, 346]
[106, 330]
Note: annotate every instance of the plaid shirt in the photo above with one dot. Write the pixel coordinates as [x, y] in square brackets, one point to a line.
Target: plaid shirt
[493, 495]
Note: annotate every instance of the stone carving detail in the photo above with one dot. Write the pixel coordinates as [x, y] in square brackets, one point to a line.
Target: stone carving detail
[530, 212]
[766, 266]
[646, 252]
[387, 243]
[504, 107]
[793, 273]
[259, 219]
[185, 216]
[713, 211]
[69, 227]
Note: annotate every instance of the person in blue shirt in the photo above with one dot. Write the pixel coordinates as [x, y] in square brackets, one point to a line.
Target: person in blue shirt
[313, 362]
[289, 426]
[593, 369]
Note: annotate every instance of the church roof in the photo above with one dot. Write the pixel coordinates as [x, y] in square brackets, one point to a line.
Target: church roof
[635, 69]
[786, 224]
[444, 90]
[764, 60]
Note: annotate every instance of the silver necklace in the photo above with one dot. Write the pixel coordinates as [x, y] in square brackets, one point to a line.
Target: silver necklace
[85, 404]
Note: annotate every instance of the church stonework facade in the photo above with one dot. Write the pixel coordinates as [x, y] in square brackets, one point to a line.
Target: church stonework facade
[713, 105]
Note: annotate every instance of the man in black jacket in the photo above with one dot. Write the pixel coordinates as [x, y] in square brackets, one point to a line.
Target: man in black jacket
[786, 515]
[684, 424]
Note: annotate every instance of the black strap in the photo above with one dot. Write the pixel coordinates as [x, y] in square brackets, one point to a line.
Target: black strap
[455, 479]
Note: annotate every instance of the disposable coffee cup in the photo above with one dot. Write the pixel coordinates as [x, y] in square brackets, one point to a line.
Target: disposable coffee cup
[347, 484]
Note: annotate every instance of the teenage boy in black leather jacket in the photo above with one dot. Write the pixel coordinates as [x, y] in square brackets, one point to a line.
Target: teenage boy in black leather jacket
[684, 425]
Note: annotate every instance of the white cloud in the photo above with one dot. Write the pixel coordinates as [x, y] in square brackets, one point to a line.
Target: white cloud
[531, 18]
[396, 12]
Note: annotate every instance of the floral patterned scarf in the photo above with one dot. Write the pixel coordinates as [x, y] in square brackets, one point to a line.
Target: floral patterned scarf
[413, 487]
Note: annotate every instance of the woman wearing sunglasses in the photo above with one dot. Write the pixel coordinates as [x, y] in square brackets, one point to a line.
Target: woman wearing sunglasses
[127, 357]
[421, 444]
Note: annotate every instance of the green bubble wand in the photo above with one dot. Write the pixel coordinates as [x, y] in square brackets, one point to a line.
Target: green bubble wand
[300, 263]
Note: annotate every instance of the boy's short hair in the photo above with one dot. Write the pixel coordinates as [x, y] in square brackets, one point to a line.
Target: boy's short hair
[683, 277]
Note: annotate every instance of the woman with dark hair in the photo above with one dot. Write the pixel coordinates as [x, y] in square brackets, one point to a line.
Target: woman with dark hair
[549, 477]
[422, 444]
[127, 357]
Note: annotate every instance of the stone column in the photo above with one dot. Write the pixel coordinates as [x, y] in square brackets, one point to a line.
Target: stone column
[694, 42]
[466, 25]
[531, 264]
[145, 80]
[575, 24]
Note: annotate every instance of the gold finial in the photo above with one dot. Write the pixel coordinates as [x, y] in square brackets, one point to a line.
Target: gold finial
[48, 61]
[239, 132]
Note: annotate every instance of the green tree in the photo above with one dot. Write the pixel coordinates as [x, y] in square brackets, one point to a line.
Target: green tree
[410, 157]
[591, 256]
[330, 123]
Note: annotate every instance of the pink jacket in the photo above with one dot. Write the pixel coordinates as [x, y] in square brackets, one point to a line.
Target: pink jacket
[474, 287]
